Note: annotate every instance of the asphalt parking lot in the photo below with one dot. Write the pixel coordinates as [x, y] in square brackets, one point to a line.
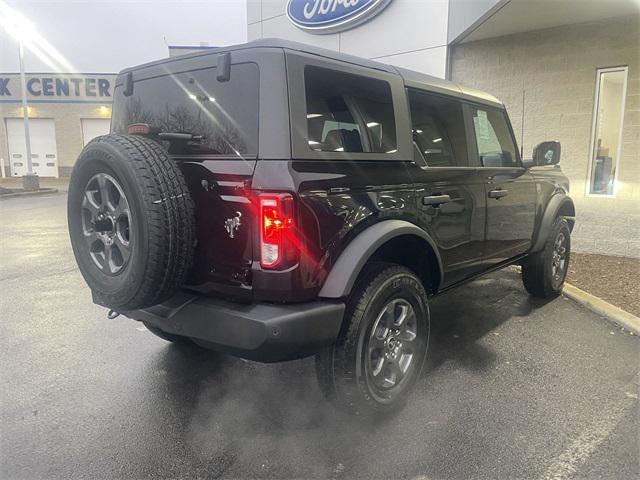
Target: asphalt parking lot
[514, 388]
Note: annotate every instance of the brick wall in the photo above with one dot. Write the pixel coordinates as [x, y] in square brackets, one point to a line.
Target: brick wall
[555, 69]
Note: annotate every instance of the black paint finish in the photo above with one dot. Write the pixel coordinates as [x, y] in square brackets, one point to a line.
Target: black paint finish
[477, 218]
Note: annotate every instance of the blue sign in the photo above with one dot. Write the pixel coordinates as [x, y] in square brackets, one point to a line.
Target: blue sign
[331, 16]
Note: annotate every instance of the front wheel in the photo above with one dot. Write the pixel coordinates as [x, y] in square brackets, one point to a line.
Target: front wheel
[379, 355]
[544, 272]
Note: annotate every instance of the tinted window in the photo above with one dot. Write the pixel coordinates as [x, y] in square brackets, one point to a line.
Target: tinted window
[348, 113]
[493, 137]
[223, 114]
[438, 130]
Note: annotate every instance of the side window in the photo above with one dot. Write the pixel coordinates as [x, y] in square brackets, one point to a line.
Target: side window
[348, 113]
[438, 130]
[493, 137]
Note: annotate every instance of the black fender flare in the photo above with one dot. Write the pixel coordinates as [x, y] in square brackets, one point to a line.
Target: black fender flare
[349, 264]
[559, 202]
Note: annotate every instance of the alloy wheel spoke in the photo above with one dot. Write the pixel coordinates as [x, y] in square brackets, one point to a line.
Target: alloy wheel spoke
[388, 314]
[378, 366]
[404, 362]
[401, 312]
[104, 190]
[88, 203]
[407, 334]
[122, 208]
[123, 248]
[395, 374]
[108, 258]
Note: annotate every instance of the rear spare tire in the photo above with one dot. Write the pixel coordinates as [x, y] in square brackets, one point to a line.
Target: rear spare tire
[131, 221]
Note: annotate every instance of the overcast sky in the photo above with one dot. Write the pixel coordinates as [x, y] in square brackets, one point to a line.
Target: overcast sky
[106, 36]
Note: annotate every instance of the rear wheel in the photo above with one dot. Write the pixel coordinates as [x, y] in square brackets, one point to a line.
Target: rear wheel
[544, 272]
[378, 357]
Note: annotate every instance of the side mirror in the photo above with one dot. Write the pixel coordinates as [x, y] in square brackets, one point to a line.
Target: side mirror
[546, 153]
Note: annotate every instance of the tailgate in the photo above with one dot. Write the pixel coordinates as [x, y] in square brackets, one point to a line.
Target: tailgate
[224, 223]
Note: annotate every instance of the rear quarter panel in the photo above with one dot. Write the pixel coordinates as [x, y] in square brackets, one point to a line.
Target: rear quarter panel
[338, 195]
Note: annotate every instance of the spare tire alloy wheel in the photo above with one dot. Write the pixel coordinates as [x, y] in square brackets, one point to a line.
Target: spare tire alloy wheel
[106, 223]
[131, 221]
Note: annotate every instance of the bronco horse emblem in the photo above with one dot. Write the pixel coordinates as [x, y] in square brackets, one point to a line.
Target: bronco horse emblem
[232, 224]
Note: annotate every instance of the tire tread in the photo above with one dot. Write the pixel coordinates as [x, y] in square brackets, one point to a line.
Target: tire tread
[169, 215]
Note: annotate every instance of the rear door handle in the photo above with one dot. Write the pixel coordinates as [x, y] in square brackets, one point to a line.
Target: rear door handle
[436, 200]
[498, 193]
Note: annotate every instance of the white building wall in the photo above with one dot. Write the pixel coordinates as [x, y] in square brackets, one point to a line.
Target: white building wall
[555, 69]
[408, 33]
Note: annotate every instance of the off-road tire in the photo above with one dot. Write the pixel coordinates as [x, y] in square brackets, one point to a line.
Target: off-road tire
[169, 337]
[537, 275]
[162, 221]
[340, 368]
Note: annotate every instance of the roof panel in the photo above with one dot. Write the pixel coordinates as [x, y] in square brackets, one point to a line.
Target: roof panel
[411, 78]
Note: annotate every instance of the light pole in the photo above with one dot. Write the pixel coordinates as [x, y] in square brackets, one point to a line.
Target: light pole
[29, 180]
[21, 30]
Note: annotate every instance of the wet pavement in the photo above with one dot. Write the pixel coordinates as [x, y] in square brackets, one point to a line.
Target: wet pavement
[513, 388]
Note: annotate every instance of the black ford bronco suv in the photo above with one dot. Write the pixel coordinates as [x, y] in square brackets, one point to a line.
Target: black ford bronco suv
[274, 200]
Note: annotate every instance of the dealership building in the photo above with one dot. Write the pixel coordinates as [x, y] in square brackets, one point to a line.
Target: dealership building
[566, 70]
[65, 112]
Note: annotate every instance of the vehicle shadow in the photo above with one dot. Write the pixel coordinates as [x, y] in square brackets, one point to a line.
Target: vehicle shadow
[459, 319]
[463, 315]
[239, 416]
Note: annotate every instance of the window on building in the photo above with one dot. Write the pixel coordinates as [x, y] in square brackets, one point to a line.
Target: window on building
[348, 113]
[611, 86]
[493, 138]
[438, 130]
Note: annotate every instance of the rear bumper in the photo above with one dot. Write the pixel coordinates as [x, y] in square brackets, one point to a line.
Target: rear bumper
[260, 331]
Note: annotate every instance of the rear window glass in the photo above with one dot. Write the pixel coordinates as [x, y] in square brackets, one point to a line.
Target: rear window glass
[222, 115]
[348, 113]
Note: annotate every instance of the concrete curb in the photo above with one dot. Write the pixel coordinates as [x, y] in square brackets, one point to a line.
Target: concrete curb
[613, 313]
[42, 191]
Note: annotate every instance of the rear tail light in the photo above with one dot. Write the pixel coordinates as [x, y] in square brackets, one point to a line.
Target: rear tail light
[277, 244]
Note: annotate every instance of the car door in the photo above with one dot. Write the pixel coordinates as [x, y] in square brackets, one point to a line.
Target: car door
[449, 192]
[509, 188]
[350, 155]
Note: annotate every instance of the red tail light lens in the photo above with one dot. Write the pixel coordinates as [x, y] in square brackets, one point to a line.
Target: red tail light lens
[276, 229]
[138, 129]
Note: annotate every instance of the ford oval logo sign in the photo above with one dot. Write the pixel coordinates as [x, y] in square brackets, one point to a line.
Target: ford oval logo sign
[331, 16]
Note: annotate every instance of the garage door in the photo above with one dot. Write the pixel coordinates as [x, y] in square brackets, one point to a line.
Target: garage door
[43, 147]
[94, 127]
